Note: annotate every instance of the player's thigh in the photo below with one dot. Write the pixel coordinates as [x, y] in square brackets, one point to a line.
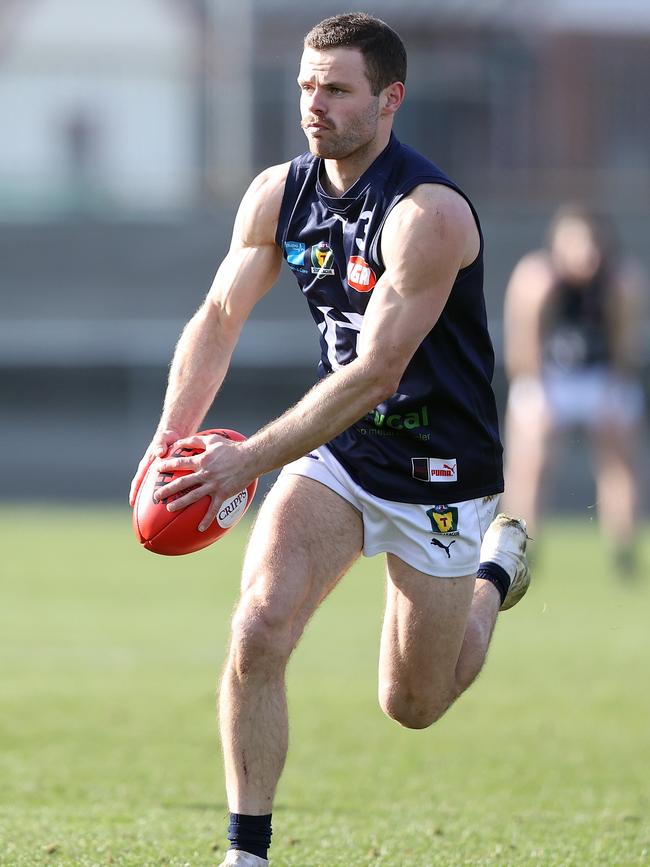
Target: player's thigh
[529, 417]
[614, 424]
[303, 541]
[424, 627]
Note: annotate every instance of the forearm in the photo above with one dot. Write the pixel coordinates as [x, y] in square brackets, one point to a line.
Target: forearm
[324, 412]
[197, 371]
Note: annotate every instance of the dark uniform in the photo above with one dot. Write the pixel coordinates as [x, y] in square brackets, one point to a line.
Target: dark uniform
[436, 439]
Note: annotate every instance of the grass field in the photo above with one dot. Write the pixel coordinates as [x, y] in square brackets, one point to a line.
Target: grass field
[108, 750]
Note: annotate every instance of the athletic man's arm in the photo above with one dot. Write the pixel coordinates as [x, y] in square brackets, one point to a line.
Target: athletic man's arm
[427, 238]
[527, 295]
[204, 350]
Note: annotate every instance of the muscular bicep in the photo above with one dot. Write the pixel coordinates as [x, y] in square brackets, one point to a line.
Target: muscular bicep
[253, 261]
[424, 245]
[245, 275]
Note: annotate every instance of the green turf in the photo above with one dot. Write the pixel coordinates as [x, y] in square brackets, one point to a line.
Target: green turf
[109, 657]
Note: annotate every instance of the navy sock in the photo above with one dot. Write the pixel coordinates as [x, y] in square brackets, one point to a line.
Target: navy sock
[250, 833]
[497, 575]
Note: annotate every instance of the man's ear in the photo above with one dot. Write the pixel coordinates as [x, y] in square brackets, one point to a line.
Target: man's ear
[392, 97]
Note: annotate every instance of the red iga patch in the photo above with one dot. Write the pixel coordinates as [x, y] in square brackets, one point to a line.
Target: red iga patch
[360, 275]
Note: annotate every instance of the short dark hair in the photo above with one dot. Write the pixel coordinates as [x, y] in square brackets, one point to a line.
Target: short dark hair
[382, 49]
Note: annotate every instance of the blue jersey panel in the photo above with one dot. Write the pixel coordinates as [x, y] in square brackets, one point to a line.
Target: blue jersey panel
[436, 440]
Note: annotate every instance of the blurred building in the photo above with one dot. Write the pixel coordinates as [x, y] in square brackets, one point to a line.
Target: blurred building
[130, 131]
[97, 104]
[164, 104]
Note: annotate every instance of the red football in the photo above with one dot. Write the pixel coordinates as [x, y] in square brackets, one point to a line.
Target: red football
[171, 533]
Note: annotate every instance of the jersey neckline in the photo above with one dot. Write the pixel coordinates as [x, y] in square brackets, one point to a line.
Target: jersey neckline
[342, 204]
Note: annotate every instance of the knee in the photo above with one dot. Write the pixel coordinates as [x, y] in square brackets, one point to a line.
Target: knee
[261, 636]
[413, 710]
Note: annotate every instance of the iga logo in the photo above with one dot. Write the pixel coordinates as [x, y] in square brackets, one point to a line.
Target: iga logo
[360, 275]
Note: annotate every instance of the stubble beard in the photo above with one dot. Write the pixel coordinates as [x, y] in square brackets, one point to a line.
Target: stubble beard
[358, 135]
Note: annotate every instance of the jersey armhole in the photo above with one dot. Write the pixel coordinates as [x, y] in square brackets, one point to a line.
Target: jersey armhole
[284, 217]
[375, 247]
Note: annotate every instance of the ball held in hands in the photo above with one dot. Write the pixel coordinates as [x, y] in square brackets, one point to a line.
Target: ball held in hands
[173, 533]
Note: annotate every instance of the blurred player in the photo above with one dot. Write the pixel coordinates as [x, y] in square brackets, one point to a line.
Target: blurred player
[395, 450]
[571, 332]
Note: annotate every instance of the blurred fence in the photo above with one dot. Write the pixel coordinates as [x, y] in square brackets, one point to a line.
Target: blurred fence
[130, 130]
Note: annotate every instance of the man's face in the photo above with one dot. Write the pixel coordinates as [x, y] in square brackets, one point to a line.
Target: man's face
[339, 114]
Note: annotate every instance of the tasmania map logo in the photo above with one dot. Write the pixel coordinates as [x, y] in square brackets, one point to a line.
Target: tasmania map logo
[322, 260]
[444, 520]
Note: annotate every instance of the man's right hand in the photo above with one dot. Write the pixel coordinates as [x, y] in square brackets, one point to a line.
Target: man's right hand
[157, 448]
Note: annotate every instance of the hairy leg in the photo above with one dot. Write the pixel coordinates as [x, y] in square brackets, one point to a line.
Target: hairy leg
[435, 638]
[304, 540]
[478, 633]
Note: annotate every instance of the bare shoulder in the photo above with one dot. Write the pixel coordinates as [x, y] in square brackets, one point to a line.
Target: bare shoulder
[434, 212]
[532, 276]
[440, 197]
[434, 203]
[259, 211]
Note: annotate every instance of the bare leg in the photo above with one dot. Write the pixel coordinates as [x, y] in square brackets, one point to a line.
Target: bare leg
[305, 538]
[434, 640]
[616, 482]
[528, 435]
[478, 633]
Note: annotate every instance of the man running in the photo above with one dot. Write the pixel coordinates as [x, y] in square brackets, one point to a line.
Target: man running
[396, 449]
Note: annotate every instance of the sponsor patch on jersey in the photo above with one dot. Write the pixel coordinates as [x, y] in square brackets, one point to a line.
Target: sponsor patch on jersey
[322, 259]
[416, 419]
[360, 275]
[435, 469]
[444, 520]
[295, 252]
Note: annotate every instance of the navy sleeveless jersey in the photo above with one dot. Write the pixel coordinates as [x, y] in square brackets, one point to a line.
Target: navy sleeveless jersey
[436, 440]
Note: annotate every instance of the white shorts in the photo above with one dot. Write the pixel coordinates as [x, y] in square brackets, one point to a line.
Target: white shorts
[593, 397]
[444, 541]
[589, 398]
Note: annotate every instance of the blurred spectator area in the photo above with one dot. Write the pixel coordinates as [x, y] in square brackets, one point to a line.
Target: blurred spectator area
[167, 104]
[130, 131]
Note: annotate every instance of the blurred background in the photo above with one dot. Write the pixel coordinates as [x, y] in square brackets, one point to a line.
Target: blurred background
[131, 129]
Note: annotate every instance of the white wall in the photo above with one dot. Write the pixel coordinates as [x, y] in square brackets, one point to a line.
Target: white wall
[127, 68]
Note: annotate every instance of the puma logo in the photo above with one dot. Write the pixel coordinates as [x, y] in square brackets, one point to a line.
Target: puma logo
[446, 548]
